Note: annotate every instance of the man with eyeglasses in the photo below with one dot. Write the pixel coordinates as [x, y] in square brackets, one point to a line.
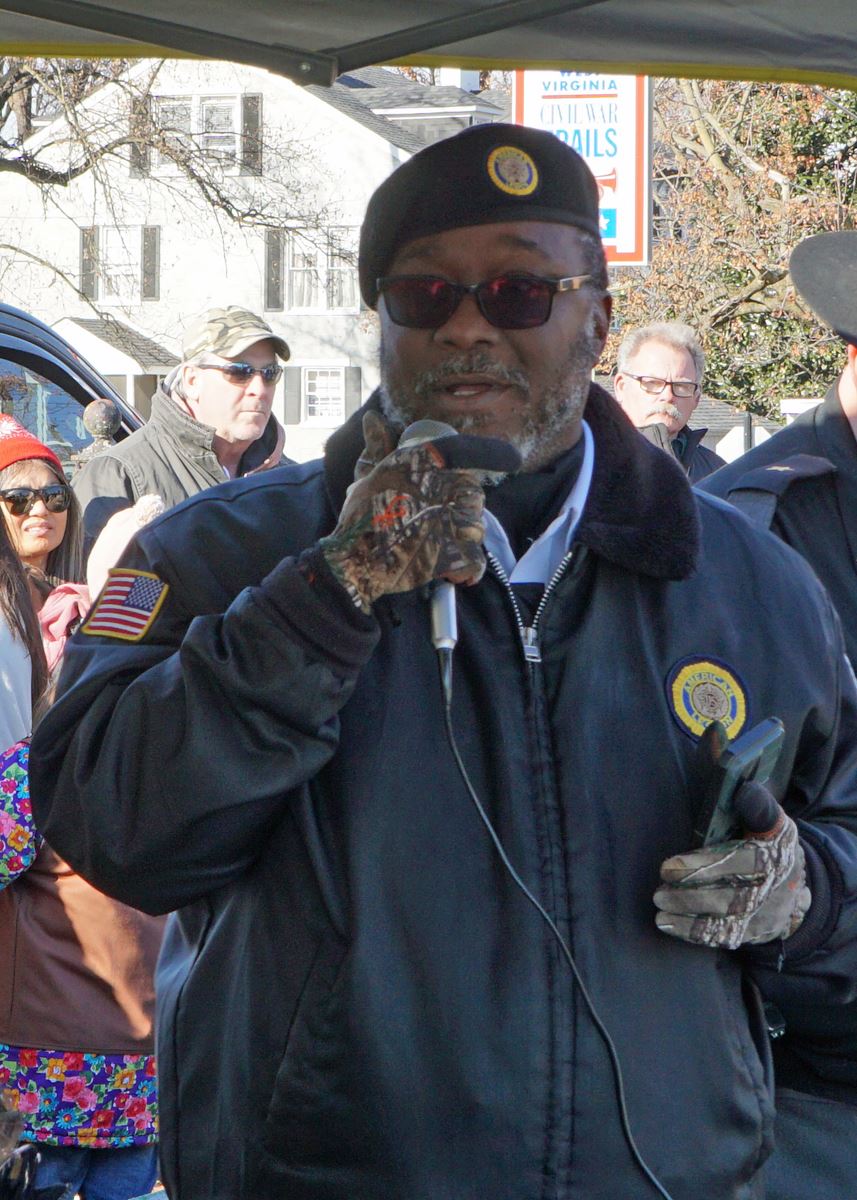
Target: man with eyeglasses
[444, 928]
[659, 370]
[211, 420]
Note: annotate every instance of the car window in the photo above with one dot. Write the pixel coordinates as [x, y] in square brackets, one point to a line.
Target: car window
[46, 408]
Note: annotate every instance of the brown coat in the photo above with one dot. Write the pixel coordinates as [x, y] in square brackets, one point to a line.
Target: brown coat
[76, 968]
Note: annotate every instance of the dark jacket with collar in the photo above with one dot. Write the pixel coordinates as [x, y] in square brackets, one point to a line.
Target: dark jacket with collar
[687, 448]
[814, 497]
[355, 1000]
[171, 456]
[803, 481]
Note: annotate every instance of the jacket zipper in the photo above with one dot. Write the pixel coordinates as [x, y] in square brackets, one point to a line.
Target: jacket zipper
[529, 634]
[553, 891]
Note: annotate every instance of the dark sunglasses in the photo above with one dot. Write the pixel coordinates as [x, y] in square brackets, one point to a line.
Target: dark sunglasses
[683, 388]
[56, 497]
[244, 372]
[507, 302]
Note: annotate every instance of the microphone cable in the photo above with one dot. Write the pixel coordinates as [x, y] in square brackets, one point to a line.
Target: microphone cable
[444, 657]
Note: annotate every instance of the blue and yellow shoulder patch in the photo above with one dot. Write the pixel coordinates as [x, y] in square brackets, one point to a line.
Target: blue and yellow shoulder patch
[702, 690]
[127, 605]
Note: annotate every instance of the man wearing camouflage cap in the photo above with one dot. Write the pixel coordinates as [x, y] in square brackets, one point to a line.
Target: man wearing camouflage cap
[448, 934]
[211, 420]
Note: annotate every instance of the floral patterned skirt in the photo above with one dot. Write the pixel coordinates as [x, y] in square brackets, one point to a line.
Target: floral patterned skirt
[102, 1101]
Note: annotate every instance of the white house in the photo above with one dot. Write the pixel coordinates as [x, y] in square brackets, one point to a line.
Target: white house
[127, 254]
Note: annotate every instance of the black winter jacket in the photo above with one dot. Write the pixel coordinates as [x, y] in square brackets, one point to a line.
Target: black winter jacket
[809, 471]
[355, 999]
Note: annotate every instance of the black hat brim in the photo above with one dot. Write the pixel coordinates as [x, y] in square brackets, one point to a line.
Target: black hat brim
[824, 271]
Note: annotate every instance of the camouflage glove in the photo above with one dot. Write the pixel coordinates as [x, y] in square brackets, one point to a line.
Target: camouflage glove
[414, 513]
[740, 892]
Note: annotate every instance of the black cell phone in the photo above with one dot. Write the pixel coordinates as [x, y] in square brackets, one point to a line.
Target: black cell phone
[722, 766]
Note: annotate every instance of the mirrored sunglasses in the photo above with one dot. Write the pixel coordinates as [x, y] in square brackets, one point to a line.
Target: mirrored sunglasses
[507, 302]
[20, 501]
[683, 388]
[242, 373]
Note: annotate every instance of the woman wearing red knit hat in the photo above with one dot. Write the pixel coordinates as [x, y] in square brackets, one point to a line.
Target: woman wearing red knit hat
[44, 524]
[76, 968]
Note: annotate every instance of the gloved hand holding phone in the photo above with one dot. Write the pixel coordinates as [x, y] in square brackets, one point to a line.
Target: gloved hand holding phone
[741, 887]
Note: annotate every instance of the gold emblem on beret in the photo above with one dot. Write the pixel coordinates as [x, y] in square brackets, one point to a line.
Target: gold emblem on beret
[702, 690]
[513, 171]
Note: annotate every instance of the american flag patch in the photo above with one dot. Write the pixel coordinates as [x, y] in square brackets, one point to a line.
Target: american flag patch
[127, 605]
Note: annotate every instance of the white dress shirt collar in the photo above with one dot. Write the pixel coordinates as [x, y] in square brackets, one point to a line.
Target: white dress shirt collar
[543, 557]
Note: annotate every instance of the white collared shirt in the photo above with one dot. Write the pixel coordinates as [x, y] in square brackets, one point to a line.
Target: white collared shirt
[543, 557]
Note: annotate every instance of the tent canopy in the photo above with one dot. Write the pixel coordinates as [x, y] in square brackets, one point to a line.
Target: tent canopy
[313, 41]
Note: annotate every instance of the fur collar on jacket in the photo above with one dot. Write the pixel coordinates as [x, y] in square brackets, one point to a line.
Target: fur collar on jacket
[641, 513]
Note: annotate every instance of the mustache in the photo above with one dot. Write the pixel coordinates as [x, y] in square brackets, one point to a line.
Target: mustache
[666, 410]
[470, 364]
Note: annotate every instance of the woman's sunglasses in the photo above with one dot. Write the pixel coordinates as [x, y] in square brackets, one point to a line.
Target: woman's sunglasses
[242, 373]
[507, 302]
[56, 498]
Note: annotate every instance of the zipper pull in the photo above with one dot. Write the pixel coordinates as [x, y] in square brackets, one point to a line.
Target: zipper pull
[530, 638]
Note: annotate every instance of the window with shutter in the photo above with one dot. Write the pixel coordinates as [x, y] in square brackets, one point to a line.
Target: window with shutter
[120, 264]
[322, 271]
[226, 130]
[150, 263]
[324, 395]
[89, 261]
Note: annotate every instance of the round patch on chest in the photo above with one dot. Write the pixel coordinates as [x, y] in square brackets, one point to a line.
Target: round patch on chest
[702, 690]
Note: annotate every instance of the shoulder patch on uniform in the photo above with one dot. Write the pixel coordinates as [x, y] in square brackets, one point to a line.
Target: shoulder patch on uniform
[127, 605]
[702, 690]
[778, 477]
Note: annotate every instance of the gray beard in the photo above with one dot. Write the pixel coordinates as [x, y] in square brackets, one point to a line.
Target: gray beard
[543, 434]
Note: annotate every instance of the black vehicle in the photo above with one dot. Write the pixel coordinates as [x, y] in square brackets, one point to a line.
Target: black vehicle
[46, 385]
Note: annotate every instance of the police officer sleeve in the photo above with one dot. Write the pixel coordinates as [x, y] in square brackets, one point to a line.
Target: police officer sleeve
[820, 959]
[167, 759]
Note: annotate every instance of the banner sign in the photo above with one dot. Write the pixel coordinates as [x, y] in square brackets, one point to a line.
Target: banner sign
[606, 119]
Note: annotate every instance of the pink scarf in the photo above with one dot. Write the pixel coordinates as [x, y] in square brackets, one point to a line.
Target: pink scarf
[64, 607]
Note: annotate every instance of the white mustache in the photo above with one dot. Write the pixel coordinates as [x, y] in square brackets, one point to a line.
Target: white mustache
[665, 410]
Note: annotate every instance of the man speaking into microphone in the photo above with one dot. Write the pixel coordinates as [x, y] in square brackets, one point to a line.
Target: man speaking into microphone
[453, 938]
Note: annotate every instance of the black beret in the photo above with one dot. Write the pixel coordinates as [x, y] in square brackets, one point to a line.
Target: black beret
[484, 174]
[824, 271]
